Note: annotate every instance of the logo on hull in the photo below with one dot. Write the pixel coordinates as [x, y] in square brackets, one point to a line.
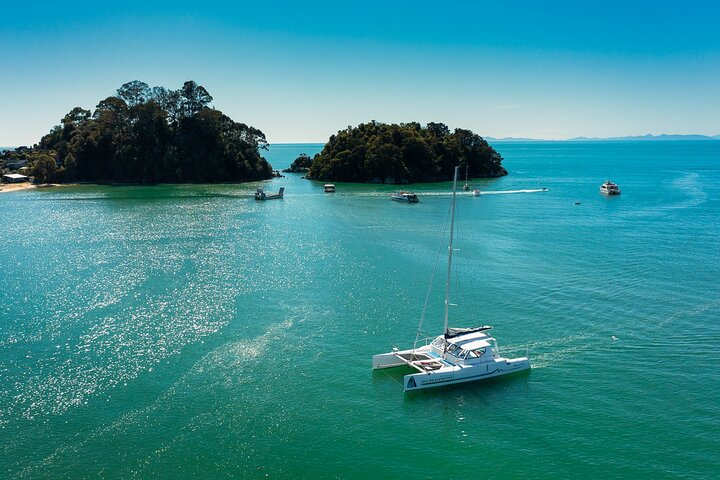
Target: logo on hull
[411, 383]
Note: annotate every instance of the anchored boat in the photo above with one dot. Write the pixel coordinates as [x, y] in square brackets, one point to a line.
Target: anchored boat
[458, 355]
[609, 188]
[261, 195]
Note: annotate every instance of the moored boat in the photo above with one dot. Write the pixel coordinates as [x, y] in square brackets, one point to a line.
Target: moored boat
[609, 188]
[261, 195]
[329, 188]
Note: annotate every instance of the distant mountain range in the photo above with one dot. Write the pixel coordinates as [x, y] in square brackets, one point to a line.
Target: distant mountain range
[648, 137]
[641, 138]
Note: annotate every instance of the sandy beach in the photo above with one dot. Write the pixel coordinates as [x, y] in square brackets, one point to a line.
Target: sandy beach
[14, 187]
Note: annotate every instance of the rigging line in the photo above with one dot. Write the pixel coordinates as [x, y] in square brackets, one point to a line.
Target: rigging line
[459, 263]
[450, 253]
[461, 269]
[466, 268]
[432, 277]
[392, 378]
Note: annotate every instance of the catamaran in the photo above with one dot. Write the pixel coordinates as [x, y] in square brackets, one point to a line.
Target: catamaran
[458, 355]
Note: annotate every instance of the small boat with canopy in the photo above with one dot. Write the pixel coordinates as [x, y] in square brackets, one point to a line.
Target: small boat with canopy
[260, 194]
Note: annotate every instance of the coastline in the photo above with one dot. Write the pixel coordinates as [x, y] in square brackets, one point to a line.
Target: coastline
[15, 187]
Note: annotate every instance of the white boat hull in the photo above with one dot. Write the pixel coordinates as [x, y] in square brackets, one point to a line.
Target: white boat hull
[441, 372]
[463, 374]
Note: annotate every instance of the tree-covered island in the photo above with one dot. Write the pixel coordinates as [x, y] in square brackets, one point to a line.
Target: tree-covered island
[389, 153]
[149, 135]
[300, 165]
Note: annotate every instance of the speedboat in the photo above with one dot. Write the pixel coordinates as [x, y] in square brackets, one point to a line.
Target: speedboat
[459, 355]
[476, 193]
[261, 195]
[403, 196]
[609, 188]
[329, 188]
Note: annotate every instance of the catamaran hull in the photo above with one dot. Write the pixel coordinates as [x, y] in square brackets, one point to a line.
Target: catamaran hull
[448, 374]
[387, 360]
[393, 359]
[444, 377]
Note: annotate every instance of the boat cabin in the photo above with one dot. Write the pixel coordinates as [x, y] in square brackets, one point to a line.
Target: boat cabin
[609, 188]
[329, 188]
[475, 347]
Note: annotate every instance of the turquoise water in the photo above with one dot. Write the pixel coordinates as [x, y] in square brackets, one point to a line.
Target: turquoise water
[192, 332]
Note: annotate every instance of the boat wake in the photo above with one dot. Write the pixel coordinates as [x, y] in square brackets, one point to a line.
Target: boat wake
[689, 185]
[226, 364]
[506, 192]
[482, 192]
[684, 314]
[548, 353]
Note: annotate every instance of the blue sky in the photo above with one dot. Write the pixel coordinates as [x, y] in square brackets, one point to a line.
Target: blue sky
[300, 72]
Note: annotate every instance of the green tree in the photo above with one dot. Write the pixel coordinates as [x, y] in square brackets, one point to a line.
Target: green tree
[193, 98]
[76, 117]
[44, 168]
[134, 93]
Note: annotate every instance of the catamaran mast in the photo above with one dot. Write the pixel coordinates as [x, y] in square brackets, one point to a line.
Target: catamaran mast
[450, 251]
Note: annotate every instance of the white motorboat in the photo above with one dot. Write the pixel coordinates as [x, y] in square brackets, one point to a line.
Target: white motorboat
[261, 195]
[609, 188]
[329, 188]
[403, 196]
[458, 355]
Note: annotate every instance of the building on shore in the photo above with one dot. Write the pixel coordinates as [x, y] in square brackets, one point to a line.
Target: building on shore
[14, 178]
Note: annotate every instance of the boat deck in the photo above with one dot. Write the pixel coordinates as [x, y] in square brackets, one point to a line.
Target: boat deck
[424, 362]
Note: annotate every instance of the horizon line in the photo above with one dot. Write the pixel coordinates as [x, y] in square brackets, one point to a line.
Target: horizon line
[649, 136]
[646, 137]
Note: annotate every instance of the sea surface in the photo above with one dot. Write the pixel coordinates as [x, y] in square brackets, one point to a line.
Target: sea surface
[189, 331]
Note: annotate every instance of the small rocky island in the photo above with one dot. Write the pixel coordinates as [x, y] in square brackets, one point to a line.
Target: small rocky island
[300, 165]
[375, 152]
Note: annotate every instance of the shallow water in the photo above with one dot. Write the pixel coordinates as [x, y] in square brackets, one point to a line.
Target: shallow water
[190, 331]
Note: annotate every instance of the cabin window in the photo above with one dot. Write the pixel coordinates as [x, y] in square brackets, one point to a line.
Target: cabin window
[454, 350]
